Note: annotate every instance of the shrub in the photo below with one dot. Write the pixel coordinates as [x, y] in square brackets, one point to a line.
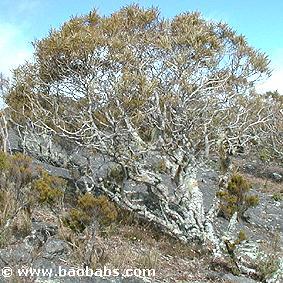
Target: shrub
[235, 198]
[100, 207]
[90, 208]
[15, 176]
[264, 155]
[19, 170]
[15, 169]
[49, 188]
[77, 219]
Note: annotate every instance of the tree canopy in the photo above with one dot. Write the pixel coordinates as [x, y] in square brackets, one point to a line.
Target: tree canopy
[134, 70]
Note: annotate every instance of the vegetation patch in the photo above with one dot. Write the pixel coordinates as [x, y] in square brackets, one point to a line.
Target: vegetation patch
[49, 188]
[236, 197]
[89, 209]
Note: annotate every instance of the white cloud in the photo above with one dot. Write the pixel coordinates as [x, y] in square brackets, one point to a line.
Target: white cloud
[275, 82]
[14, 47]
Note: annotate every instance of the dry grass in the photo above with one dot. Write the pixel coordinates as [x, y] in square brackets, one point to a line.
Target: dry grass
[139, 246]
[14, 221]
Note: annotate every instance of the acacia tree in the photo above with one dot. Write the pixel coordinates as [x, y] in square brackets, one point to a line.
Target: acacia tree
[133, 85]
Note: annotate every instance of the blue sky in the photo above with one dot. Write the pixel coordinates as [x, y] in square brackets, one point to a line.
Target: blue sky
[261, 21]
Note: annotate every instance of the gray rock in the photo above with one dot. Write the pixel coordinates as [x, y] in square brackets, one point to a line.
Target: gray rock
[40, 262]
[55, 248]
[208, 183]
[266, 216]
[16, 254]
[53, 170]
[40, 232]
[14, 142]
[230, 278]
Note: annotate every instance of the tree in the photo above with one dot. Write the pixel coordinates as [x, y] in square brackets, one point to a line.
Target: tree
[134, 86]
[272, 140]
[4, 85]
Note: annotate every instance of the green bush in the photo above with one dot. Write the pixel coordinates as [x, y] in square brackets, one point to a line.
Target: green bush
[90, 208]
[49, 188]
[15, 169]
[236, 198]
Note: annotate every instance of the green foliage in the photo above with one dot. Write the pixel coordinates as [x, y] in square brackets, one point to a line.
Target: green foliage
[236, 198]
[49, 188]
[100, 206]
[90, 208]
[15, 217]
[241, 236]
[77, 219]
[16, 175]
[268, 266]
[21, 192]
